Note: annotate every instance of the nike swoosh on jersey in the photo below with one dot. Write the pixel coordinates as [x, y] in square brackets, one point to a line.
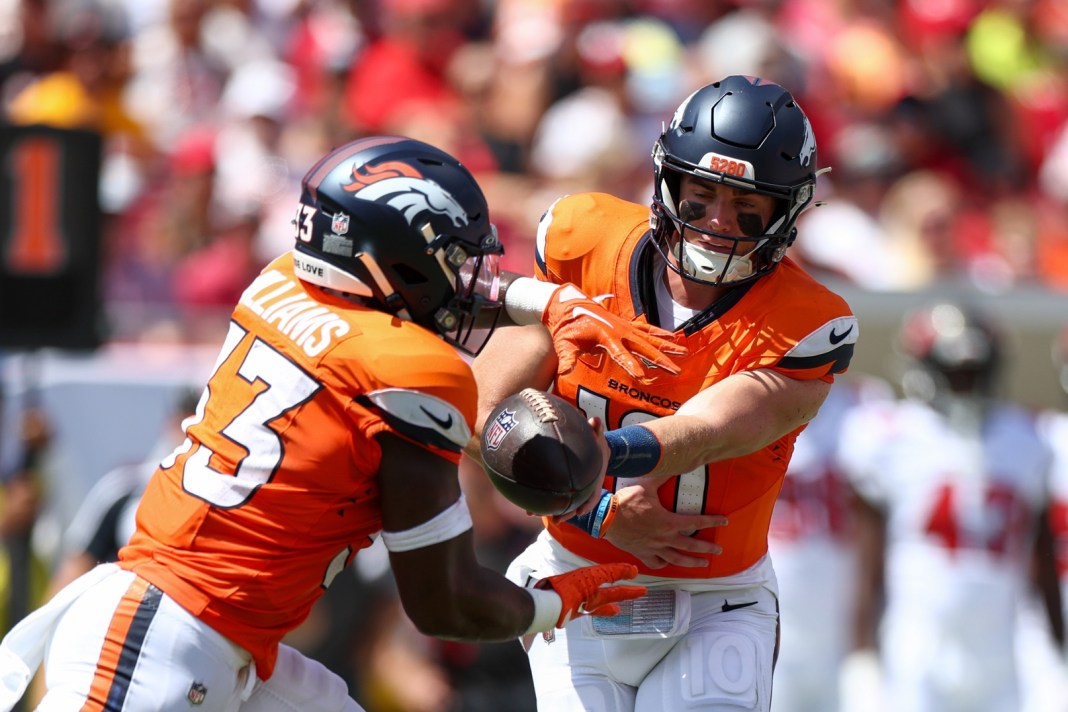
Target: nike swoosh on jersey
[445, 422]
[836, 338]
[420, 416]
[735, 606]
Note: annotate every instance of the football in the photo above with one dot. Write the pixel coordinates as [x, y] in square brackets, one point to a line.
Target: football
[541, 453]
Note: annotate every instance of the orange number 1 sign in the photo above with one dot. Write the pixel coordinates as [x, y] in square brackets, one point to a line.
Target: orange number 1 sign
[37, 245]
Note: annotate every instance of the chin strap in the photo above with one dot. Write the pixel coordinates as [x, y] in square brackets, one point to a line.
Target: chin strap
[385, 292]
[710, 266]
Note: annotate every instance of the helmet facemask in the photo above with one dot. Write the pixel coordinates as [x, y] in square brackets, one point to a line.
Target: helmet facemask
[470, 316]
[708, 265]
[751, 255]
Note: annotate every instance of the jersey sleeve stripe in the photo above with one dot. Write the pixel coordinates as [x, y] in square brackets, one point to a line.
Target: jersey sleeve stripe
[421, 434]
[837, 360]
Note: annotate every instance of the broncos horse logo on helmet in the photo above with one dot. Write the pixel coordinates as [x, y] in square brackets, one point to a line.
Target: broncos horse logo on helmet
[417, 239]
[399, 185]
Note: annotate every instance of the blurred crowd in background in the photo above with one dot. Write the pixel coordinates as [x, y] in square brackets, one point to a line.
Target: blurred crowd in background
[945, 124]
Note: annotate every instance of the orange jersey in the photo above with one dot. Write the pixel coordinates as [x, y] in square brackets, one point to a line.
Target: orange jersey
[275, 488]
[785, 321]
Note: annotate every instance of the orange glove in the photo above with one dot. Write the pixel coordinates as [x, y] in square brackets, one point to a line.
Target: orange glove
[581, 593]
[579, 323]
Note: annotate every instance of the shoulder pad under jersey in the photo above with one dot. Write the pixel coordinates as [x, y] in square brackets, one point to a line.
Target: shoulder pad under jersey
[421, 417]
[576, 225]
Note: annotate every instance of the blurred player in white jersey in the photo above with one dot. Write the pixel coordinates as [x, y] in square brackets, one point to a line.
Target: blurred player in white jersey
[811, 543]
[1043, 661]
[953, 485]
[1055, 427]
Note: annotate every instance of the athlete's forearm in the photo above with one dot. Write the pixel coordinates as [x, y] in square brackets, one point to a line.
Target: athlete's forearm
[525, 299]
[470, 602]
[735, 417]
[473, 604]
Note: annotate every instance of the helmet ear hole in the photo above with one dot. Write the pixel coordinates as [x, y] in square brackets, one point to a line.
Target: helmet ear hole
[411, 277]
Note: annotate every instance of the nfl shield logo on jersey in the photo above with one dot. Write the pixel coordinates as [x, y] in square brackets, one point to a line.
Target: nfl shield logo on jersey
[500, 427]
[340, 223]
[197, 693]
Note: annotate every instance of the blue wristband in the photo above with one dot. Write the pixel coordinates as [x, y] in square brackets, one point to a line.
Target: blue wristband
[633, 451]
[591, 522]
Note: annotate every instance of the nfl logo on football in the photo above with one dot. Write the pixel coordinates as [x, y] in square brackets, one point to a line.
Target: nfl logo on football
[500, 427]
[197, 693]
[340, 223]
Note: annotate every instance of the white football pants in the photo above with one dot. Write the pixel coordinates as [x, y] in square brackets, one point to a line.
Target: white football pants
[121, 643]
[720, 660]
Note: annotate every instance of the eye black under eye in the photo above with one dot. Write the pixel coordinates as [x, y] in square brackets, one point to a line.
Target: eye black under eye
[690, 210]
[751, 225]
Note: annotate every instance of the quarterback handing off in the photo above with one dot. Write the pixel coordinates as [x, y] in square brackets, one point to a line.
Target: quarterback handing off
[695, 459]
[336, 412]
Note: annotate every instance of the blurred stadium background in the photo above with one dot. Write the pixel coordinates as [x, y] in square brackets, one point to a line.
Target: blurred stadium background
[150, 152]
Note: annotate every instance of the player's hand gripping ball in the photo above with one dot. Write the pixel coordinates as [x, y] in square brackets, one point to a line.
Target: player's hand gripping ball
[541, 453]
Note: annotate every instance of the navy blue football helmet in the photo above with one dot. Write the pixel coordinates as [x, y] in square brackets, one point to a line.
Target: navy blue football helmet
[406, 226]
[747, 133]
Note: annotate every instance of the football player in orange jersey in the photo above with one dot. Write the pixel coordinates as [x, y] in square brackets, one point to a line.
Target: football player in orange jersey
[336, 412]
[696, 459]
